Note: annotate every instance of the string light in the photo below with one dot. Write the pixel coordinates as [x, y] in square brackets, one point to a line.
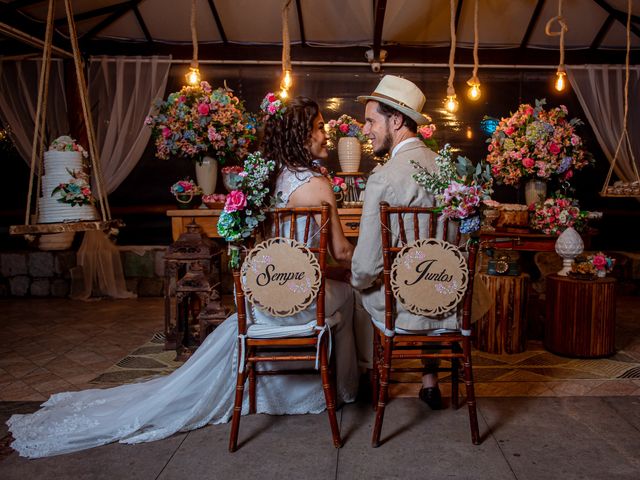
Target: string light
[193, 75]
[561, 80]
[474, 84]
[451, 102]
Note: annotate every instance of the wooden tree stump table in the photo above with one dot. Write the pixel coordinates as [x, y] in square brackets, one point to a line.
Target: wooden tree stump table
[502, 329]
[581, 316]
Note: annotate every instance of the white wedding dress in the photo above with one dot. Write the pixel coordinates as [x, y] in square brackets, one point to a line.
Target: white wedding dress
[198, 393]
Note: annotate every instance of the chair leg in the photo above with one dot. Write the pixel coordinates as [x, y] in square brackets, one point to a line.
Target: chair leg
[471, 396]
[252, 384]
[454, 383]
[385, 373]
[375, 372]
[329, 393]
[237, 408]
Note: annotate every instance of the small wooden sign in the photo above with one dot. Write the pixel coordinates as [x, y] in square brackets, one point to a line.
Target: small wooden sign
[281, 276]
[429, 277]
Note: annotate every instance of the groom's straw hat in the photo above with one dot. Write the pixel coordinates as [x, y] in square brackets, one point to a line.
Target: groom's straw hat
[400, 94]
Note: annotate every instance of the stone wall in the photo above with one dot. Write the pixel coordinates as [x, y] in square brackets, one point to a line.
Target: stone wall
[49, 274]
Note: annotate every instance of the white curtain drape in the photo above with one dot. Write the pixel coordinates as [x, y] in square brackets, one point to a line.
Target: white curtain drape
[121, 91]
[600, 90]
[19, 81]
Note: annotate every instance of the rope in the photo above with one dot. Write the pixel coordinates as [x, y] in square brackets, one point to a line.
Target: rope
[625, 133]
[286, 43]
[563, 28]
[324, 329]
[194, 34]
[41, 109]
[476, 62]
[84, 101]
[452, 72]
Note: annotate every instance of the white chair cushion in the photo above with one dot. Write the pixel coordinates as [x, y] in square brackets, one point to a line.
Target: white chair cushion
[280, 331]
[402, 331]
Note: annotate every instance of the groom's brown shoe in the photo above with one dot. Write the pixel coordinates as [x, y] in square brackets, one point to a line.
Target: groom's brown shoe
[432, 397]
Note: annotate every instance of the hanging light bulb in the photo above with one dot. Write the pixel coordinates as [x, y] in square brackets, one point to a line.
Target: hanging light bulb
[469, 133]
[561, 80]
[283, 94]
[287, 80]
[451, 103]
[474, 88]
[193, 76]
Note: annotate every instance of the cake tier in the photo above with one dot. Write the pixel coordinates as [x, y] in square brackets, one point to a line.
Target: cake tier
[52, 211]
[54, 156]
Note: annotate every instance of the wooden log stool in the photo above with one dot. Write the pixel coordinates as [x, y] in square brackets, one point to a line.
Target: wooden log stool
[502, 329]
[581, 317]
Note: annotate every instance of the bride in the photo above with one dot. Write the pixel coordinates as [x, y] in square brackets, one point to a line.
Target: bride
[201, 391]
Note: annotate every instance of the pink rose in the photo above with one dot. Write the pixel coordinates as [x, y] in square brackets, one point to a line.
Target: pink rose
[568, 174]
[528, 162]
[166, 132]
[509, 131]
[272, 98]
[338, 180]
[203, 109]
[554, 148]
[599, 262]
[528, 111]
[236, 200]
[344, 128]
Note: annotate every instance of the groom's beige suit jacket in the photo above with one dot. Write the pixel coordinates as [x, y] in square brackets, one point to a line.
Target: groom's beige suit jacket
[393, 183]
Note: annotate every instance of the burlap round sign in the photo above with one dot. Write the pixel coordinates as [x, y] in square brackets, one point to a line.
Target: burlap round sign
[429, 277]
[281, 276]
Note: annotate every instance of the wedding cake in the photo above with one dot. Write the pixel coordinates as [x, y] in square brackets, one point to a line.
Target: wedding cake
[66, 193]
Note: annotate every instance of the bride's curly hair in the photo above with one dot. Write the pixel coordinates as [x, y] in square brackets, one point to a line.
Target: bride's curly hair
[286, 137]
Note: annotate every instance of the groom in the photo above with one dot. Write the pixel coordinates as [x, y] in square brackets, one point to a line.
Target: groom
[392, 117]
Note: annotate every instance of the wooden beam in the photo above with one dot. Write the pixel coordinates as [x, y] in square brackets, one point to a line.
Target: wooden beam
[216, 17]
[143, 26]
[532, 24]
[380, 9]
[303, 39]
[618, 15]
[123, 8]
[458, 13]
[604, 29]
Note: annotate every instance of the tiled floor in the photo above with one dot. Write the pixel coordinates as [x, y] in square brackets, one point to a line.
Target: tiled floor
[52, 345]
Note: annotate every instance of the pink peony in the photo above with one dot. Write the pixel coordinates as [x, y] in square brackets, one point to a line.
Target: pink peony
[554, 148]
[344, 128]
[203, 109]
[166, 132]
[600, 262]
[236, 200]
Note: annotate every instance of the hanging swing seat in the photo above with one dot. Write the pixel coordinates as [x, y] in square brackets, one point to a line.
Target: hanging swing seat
[43, 228]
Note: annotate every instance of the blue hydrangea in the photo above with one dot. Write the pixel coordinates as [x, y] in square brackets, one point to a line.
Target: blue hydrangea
[470, 225]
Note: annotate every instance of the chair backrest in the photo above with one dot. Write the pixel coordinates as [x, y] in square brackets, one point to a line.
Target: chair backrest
[403, 225]
[282, 222]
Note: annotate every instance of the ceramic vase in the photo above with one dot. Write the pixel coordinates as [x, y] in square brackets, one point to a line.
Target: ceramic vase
[535, 191]
[349, 152]
[207, 175]
[568, 245]
[601, 273]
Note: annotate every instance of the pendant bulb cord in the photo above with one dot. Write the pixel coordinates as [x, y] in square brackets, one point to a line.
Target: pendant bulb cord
[560, 33]
[476, 62]
[194, 35]
[452, 72]
[286, 42]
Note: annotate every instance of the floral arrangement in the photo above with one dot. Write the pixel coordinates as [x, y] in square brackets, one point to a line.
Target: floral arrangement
[244, 207]
[597, 264]
[345, 126]
[75, 192]
[425, 133]
[185, 187]
[459, 188]
[272, 105]
[338, 185]
[199, 121]
[556, 214]
[537, 143]
[214, 198]
[67, 144]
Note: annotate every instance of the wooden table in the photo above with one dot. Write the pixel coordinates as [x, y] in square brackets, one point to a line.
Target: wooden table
[208, 220]
[581, 317]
